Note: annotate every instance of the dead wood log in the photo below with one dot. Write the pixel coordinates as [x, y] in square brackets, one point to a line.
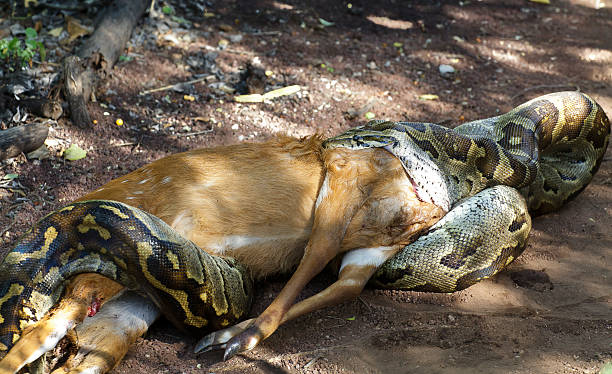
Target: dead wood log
[98, 55]
[40, 107]
[20, 139]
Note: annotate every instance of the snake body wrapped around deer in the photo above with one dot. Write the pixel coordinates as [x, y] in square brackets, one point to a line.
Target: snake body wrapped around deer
[489, 175]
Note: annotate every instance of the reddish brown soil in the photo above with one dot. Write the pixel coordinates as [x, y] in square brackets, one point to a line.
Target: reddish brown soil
[505, 52]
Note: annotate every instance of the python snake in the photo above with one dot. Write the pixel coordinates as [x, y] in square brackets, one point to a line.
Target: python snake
[548, 149]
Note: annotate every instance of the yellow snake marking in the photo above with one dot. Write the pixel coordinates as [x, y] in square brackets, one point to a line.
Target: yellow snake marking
[145, 251]
[14, 290]
[23, 324]
[120, 262]
[89, 223]
[66, 208]
[40, 302]
[173, 260]
[116, 211]
[66, 255]
[14, 258]
[28, 312]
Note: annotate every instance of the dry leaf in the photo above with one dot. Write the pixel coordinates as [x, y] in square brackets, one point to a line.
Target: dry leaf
[56, 32]
[428, 97]
[75, 29]
[257, 98]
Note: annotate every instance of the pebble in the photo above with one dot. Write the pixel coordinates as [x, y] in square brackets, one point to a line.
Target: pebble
[17, 29]
[235, 38]
[446, 71]
[371, 65]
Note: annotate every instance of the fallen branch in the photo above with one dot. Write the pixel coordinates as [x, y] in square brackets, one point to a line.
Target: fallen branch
[98, 55]
[176, 85]
[194, 133]
[42, 107]
[22, 139]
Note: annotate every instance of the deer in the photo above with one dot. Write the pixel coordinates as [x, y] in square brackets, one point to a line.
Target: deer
[283, 206]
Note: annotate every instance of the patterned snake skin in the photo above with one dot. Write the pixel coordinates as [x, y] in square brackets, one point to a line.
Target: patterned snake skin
[548, 149]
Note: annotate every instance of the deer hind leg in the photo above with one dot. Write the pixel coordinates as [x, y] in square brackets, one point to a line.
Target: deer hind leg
[339, 198]
[104, 339]
[356, 269]
[348, 182]
[84, 296]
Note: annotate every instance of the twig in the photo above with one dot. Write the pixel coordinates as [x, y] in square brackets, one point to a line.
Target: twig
[124, 144]
[169, 87]
[365, 303]
[235, 51]
[195, 133]
[7, 228]
[264, 33]
[568, 85]
[311, 362]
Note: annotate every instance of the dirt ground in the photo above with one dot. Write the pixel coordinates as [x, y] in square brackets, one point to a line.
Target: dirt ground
[376, 57]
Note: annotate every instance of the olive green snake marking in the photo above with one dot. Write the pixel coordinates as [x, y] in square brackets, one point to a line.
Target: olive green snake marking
[488, 174]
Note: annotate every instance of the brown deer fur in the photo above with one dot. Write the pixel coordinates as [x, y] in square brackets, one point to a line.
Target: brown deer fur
[273, 206]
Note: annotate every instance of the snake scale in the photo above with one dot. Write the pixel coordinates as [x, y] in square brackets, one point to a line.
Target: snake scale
[488, 174]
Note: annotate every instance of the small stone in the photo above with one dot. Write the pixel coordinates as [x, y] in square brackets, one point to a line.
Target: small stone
[17, 29]
[235, 126]
[372, 65]
[235, 38]
[446, 71]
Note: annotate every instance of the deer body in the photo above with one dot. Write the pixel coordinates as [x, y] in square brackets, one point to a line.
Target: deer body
[272, 206]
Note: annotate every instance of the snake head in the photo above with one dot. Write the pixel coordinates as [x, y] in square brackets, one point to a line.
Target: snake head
[360, 138]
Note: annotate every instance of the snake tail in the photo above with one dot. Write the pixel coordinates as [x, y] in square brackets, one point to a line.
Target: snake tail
[196, 291]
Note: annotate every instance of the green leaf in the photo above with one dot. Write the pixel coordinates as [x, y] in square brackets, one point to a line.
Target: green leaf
[351, 318]
[74, 152]
[167, 9]
[31, 43]
[31, 33]
[42, 51]
[370, 115]
[14, 44]
[325, 23]
[607, 368]
[180, 20]
[10, 176]
[124, 58]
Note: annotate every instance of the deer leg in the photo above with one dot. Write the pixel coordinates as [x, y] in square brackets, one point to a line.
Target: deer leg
[104, 339]
[355, 272]
[84, 296]
[341, 195]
